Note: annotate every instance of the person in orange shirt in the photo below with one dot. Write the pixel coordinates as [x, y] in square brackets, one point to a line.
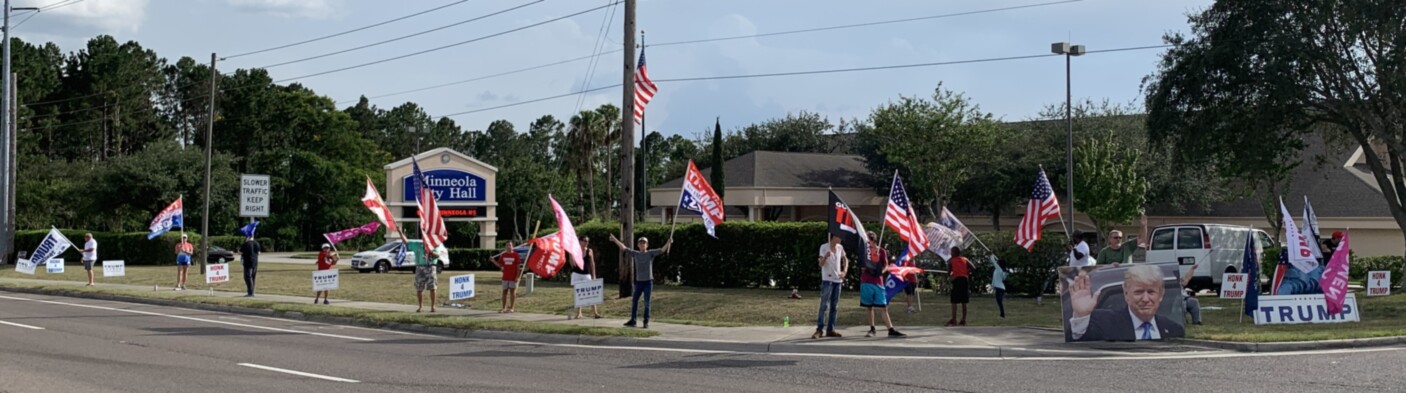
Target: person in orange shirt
[326, 260]
[511, 263]
[961, 285]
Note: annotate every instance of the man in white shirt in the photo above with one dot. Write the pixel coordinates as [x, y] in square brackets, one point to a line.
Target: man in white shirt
[90, 255]
[833, 268]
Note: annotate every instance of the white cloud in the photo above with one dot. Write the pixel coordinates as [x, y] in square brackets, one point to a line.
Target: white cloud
[92, 16]
[305, 9]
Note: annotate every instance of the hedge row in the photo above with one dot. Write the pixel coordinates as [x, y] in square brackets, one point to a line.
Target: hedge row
[133, 247]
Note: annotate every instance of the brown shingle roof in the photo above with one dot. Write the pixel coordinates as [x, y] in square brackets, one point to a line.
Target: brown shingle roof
[789, 170]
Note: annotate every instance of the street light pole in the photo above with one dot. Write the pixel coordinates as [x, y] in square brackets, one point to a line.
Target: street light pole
[1069, 51]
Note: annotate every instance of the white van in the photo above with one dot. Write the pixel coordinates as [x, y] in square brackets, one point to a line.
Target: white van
[1217, 248]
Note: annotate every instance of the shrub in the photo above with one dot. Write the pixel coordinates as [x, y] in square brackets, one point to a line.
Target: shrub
[471, 259]
[132, 247]
[1030, 270]
[1358, 268]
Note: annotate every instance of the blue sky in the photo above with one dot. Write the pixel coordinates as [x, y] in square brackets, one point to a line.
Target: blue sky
[1013, 90]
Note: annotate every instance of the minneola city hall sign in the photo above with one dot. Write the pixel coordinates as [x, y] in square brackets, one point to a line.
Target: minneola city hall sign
[463, 186]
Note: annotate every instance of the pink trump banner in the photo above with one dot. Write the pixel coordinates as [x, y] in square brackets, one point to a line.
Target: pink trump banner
[1334, 281]
[343, 235]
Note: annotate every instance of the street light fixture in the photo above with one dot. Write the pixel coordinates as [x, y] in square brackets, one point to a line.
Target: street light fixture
[1069, 51]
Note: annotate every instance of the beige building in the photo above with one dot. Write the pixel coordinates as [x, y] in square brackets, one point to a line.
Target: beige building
[775, 186]
[463, 186]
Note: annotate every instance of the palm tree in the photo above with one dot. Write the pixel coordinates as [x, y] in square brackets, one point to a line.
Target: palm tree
[609, 131]
[582, 135]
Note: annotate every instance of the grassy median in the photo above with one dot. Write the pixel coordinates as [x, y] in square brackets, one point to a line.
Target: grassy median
[731, 307]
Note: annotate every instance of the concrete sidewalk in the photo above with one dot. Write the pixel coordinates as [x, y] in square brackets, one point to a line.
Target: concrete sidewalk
[983, 342]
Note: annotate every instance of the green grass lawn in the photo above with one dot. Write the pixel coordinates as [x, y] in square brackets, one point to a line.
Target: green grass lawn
[755, 307]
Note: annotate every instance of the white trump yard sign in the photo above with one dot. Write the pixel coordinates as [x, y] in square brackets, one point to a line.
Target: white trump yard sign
[114, 268]
[1296, 309]
[25, 266]
[1379, 283]
[217, 273]
[1233, 285]
[254, 195]
[590, 293]
[461, 287]
[325, 280]
[55, 266]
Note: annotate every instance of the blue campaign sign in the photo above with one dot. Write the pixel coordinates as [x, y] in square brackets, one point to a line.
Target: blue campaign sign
[448, 185]
[1295, 309]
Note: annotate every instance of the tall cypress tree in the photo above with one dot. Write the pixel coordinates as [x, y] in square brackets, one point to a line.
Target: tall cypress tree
[717, 175]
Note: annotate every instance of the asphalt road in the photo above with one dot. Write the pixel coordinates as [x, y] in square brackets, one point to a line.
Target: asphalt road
[98, 346]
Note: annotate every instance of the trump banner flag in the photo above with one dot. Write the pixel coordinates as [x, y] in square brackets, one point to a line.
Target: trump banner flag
[1299, 254]
[1334, 281]
[546, 259]
[846, 225]
[52, 246]
[698, 197]
[567, 239]
[248, 230]
[1250, 264]
[343, 235]
[170, 217]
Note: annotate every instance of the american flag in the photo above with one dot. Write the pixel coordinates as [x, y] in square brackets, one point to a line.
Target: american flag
[432, 230]
[1043, 206]
[644, 89]
[900, 217]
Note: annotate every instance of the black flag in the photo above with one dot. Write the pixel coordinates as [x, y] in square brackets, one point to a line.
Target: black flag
[845, 224]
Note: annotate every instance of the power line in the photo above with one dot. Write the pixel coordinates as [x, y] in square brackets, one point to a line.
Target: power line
[810, 72]
[866, 24]
[26, 19]
[445, 46]
[401, 37]
[595, 50]
[60, 4]
[346, 32]
[475, 79]
[613, 51]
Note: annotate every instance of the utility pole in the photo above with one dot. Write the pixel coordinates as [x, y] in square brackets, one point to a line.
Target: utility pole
[627, 135]
[209, 145]
[7, 135]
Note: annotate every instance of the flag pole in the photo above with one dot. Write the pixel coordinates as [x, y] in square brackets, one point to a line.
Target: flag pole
[885, 216]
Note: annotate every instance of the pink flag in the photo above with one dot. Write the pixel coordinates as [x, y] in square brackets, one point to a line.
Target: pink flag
[343, 235]
[1334, 281]
[373, 201]
[569, 242]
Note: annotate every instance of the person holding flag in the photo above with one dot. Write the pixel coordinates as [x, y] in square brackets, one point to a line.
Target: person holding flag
[326, 260]
[871, 286]
[642, 258]
[249, 255]
[433, 234]
[900, 217]
[843, 228]
[183, 252]
[1303, 272]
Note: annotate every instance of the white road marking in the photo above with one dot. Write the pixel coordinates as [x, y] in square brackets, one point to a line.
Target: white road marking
[19, 325]
[299, 373]
[192, 319]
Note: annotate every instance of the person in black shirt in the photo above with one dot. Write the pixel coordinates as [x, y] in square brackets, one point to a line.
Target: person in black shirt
[249, 252]
[588, 258]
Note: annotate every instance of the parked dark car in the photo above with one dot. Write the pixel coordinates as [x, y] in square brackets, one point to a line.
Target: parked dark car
[220, 255]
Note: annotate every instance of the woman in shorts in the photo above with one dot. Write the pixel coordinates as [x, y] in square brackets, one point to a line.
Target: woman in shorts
[183, 252]
[588, 257]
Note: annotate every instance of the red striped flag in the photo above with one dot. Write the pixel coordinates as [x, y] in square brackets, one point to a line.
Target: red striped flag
[900, 217]
[432, 230]
[1043, 206]
[373, 201]
[644, 89]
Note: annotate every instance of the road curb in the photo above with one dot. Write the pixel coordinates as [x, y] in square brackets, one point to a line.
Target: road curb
[807, 347]
[1295, 346]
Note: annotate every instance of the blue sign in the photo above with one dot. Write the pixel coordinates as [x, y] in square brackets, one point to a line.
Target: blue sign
[448, 185]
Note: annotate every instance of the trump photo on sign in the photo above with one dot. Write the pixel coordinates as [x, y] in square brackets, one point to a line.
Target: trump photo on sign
[1125, 303]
